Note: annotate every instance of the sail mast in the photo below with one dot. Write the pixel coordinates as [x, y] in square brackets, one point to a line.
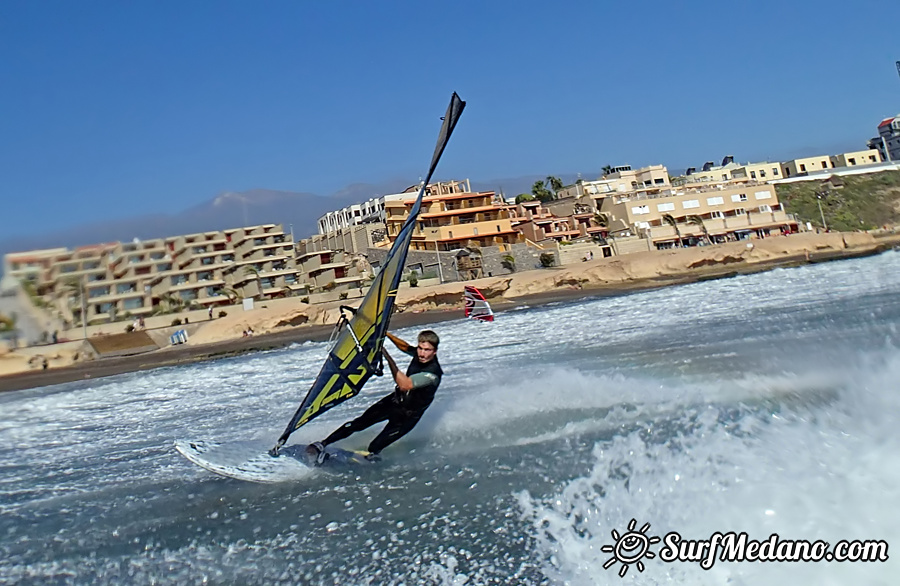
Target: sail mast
[356, 355]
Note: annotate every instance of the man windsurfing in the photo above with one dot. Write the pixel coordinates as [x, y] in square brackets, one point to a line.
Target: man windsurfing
[402, 409]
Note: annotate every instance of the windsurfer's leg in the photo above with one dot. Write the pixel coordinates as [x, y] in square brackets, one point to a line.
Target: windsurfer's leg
[394, 430]
[377, 413]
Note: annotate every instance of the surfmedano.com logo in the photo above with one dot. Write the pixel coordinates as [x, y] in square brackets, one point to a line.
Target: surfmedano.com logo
[634, 545]
[630, 548]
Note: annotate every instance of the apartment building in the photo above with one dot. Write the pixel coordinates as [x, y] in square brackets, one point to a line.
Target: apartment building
[887, 143]
[821, 163]
[561, 220]
[621, 179]
[331, 270]
[701, 213]
[369, 211]
[353, 239]
[731, 171]
[452, 217]
[143, 277]
[29, 266]
[855, 158]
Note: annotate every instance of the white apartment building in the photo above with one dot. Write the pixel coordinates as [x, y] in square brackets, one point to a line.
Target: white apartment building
[370, 211]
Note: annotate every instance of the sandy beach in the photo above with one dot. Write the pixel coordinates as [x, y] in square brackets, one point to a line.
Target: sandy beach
[277, 324]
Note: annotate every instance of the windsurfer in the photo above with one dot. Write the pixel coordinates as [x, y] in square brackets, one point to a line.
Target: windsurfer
[403, 408]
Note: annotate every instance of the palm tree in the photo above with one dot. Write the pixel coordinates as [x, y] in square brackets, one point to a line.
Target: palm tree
[695, 219]
[555, 184]
[73, 290]
[669, 219]
[541, 192]
[509, 263]
[173, 302]
[601, 219]
[253, 270]
[232, 294]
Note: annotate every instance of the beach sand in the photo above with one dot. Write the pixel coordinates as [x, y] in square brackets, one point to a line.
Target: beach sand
[279, 323]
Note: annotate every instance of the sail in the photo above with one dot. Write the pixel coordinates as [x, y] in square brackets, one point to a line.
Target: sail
[356, 355]
[477, 306]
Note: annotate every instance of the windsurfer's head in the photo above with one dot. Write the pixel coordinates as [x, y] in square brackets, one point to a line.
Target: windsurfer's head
[428, 345]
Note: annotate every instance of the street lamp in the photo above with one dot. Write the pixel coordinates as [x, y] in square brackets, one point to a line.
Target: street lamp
[820, 195]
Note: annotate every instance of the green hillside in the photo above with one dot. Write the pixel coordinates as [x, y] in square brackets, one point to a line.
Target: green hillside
[863, 202]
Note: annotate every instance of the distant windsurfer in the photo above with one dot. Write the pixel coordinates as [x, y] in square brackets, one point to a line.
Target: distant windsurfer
[403, 408]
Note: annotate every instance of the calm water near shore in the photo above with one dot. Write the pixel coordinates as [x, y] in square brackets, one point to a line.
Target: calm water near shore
[764, 403]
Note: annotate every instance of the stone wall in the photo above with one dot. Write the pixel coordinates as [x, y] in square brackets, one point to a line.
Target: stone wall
[426, 263]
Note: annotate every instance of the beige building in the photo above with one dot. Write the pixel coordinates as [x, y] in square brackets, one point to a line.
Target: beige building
[855, 158]
[622, 179]
[701, 213]
[330, 270]
[144, 277]
[561, 220]
[353, 239]
[730, 171]
[821, 163]
[452, 218]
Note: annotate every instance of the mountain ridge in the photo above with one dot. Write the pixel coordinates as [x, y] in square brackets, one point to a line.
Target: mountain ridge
[233, 209]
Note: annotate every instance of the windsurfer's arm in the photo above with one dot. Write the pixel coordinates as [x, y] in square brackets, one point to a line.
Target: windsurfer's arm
[402, 345]
[404, 383]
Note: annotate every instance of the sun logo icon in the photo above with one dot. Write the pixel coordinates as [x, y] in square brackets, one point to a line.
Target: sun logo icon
[630, 548]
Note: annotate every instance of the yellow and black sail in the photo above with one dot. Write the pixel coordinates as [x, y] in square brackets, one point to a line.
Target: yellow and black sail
[356, 355]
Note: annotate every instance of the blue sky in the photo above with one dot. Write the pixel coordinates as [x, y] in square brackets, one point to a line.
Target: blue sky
[117, 109]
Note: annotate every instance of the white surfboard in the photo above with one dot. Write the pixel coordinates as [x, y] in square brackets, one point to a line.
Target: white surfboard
[248, 462]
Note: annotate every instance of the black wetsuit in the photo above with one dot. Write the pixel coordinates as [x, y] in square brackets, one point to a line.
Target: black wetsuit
[401, 410]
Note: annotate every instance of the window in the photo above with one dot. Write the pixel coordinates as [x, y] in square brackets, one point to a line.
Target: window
[125, 288]
[178, 279]
[762, 173]
[765, 208]
[199, 249]
[98, 292]
[498, 227]
[665, 207]
[715, 201]
[690, 204]
[716, 214]
[824, 164]
[739, 197]
[164, 267]
[638, 210]
[802, 167]
[188, 294]
[774, 170]
[752, 174]
[739, 211]
[133, 303]
[852, 160]
[761, 195]
[204, 276]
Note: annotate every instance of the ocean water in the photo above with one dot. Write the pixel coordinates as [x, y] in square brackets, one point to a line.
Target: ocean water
[763, 404]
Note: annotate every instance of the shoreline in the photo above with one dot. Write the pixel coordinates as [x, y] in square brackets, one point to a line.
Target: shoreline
[188, 354]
